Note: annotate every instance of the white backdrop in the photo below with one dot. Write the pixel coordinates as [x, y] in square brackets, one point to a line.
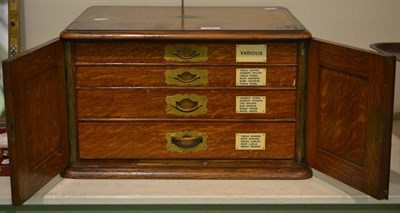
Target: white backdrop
[3, 49]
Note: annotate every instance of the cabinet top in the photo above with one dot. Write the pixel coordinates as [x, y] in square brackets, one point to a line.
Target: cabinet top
[212, 23]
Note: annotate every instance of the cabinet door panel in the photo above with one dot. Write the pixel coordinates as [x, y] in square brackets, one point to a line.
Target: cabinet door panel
[349, 115]
[36, 118]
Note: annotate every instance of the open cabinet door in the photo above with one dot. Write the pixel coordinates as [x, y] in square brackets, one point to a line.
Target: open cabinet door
[35, 96]
[349, 115]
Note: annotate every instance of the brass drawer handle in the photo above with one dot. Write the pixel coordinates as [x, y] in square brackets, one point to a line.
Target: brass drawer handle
[186, 141]
[185, 53]
[186, 77]
[186, 105]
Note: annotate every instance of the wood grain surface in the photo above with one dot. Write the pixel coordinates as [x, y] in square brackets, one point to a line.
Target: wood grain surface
[349, 115]
[150, 103]
[154, 76]
[36, 118]
[147, 141]
[193, 23]
[188, 169]
[153, 52]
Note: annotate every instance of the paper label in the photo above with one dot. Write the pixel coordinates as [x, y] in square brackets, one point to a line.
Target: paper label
[210, 28]
[251, 53]
[250, 104]
[250, 141]
[251, 77]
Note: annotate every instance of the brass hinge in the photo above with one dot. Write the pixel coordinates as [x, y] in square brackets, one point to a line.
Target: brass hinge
[12, 132]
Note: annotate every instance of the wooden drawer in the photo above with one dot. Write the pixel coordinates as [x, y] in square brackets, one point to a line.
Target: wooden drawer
[161, 76]
[148, 140]
[208, 104]
[154, 52]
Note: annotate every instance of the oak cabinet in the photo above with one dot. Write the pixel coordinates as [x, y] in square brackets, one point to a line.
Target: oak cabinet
[211, 93]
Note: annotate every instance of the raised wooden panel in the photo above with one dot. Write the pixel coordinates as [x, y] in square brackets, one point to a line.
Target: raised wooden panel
[341, 127]
[39, 109]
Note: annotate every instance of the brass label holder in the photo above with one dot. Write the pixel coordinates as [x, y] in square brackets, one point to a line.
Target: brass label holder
[250, 141]
[186, 141]
[251, 77]
[186, 104]
[251, 53]
[250, 104]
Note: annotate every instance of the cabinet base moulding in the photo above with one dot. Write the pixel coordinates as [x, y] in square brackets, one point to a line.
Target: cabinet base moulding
[277, 169]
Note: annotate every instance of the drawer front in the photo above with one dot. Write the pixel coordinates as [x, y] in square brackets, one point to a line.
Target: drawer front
[199, 76]
[149, 141]
[153, 52]
[171, 103]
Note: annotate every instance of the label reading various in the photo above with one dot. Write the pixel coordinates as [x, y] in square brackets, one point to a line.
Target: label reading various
[251, 53]
[250, 104]
[250, 141]
[251, 77]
